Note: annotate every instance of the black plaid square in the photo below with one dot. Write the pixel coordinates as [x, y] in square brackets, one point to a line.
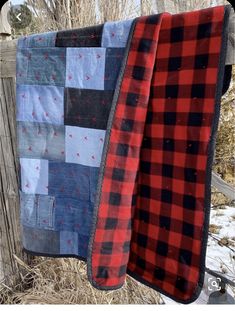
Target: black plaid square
[114, 198]
[132, 99]
[166, 196]
[145, 167]
[111, 223]
[162, 248]
[174, 63]
[152, 19]
[138, 72]
[118, 174]
[201, 61]
[107, 248]
[144, 215]
[145, 191]
[181, 284]
[195, 119]
[204, 31]
[171, 91]
[159, 274]
[198, 91]
[122, 150]
[167, 170]
[102, 273]
[192, 147]
[185, 256]
[165, 222]
[188, 229]
[141, 263]
[147, 143]
[149, 117]
[127, 125]
[190, 175]
[168, 144]
[169, 118]
[177, 34]
[142, 240]
[189, 202]
[144, 45]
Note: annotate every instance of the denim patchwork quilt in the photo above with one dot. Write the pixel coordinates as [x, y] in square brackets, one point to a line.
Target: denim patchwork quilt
[116, 126]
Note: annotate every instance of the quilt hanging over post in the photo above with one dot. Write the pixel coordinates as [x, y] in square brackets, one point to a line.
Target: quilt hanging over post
[116, 127]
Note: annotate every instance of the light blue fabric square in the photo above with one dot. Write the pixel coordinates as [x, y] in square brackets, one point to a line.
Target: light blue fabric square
[69, 180]
[34, 176]
[28, 210]
[84, 145]
[85, 68]
[68, 242]
[37, 210]
[41, 140]
[115, 34]
[41, 66]
[46, 39]
[38, 103]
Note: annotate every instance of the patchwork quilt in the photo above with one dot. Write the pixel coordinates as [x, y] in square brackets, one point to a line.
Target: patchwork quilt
[116, 129]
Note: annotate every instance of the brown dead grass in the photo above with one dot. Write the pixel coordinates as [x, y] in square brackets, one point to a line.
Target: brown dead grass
[64, 281]
[213, 228]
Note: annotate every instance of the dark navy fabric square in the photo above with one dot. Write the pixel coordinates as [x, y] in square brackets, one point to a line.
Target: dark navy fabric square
[87, 108]
[82, 37]
[113, 62]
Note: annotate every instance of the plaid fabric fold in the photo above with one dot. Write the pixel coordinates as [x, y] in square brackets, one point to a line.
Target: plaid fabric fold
[153, 201]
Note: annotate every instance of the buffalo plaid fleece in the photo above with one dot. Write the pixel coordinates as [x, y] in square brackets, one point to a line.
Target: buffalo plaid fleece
[116, 128]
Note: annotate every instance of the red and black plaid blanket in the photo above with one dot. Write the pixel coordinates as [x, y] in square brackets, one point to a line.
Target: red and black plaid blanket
[153, 200]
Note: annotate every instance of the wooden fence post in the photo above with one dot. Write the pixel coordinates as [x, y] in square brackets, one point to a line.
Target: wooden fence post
[10, 242]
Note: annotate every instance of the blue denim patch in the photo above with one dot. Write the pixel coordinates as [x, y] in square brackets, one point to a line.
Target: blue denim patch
[113, 62]
[46, 39]
[41, 240]
[34, 176]
[84, 145]
[69, 242]
[41, 140]
[69, 180]
[37, 210]
[36, 103]
[73, 215]
[115, 34]
[41, 66]
[85, 68]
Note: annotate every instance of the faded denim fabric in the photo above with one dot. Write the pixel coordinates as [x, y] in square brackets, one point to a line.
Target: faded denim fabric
[73, 215]
[85, 68]
[41, 66]
[115, 34]
[37, 210]
[34, 176]
[41, 240]
[46, 39]
[69, 180]
[84, 145]
[65, 86]
[36, 103]
[41, 140]
[113, 62]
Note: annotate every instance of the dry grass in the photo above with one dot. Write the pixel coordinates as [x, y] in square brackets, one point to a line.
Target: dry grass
[64, 281]
[213, 228]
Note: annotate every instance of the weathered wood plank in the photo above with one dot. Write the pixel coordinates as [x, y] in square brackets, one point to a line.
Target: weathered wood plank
[223, 187]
